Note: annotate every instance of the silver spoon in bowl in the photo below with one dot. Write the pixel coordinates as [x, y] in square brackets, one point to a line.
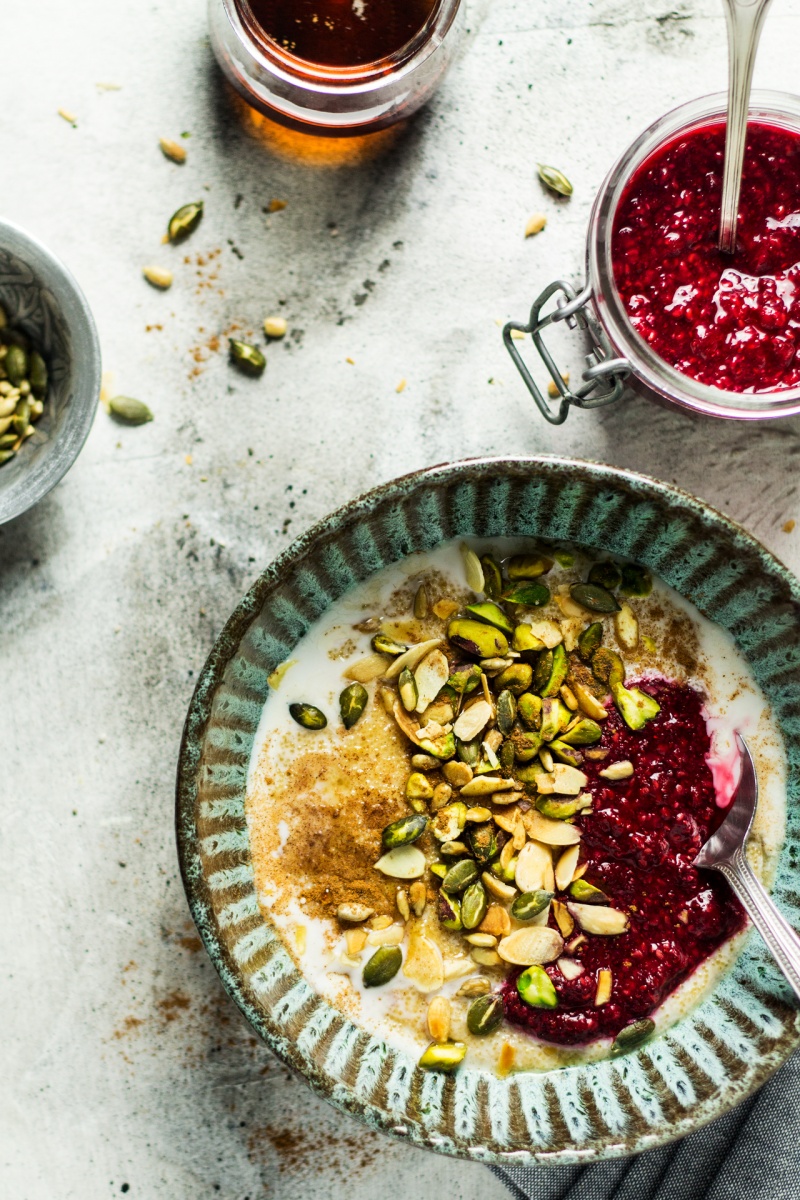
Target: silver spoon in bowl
[725, 852]
[745, 19]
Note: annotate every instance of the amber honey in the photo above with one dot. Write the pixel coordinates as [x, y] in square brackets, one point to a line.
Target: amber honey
[339, 33]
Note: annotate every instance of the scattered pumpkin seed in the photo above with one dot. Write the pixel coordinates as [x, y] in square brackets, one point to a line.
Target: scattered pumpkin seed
[473, 637]
[308, 716]
[246, 357]
[405, 831]
[474, 903]
[530, 904]
[531, 595]
[633, 1036]
[382, 966]
[352, 703]
[184, 221]
[587, 893]
[459, 877]
[635, 581]
[492, 578]
[607, 574]
[485, 1014]
[554, 179]
[594, 597]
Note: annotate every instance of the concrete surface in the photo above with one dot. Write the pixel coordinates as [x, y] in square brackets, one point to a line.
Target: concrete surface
[125, 1067]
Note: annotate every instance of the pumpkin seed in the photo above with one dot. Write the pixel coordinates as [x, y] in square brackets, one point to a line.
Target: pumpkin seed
[407, 687]
[517, 678]
[492, 579]
[594, 597]
[592, 918]
[565, 869]
[559, 809]
[473, 637]
[382, 966]
[443, 1056]
[448, 910]
[633, 1036]
[583, 733]
[421, 602]
[528, 566]
[485, 1014]
[607, 574]
[129, 411]
[308, 716]
[405, 831]
[530, 904]
[531, 595]
[352, 703]
[184, 221]
[403, 862]
[506, 711]
[21, 418]
[526, 643]
[469, 753]
[535, 988]
[554, 179]
[587, 893]
[474, 904]
[387, 645]
[459, 877]
[635, 581]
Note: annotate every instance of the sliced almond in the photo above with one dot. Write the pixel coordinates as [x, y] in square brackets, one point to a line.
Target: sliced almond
[430, 677]
[496, 921]
[534, 870]
[503, 891]
[570, 968]
[454, 968]
[405, 722]
[626, 627]
[472, 568]
[411, 657]
[545, 784]
[508, 797]
[444, 609]
[589, 703]
[356, 940]
[438, 1018]
[473, 720]
[404, 862]
[506, 820]
[548, 632]
[486, 785]
[534, 944]
[564, 919]
[552, 833]
[568, 606]
[391, 936]
[519, 835]
[568, 696]
[596, 918]
[618, 770]
[423, 963]
[604, 983]
[403, 906]
[457, 773]
[367, 669]
[565, 867]
[569, 781]
[486, 958]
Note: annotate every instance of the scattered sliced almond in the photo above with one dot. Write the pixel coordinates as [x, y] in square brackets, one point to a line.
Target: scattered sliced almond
[570, 968]
[589, 703]
[569, 781]
[596, 918]
[568, 606]
[367, 669]
[626, 627]
[473, 720]
[411, 657]
[486, 958]
[552, 833]
[356, 940]
[503, 891]
[472, 569]
[548, 632]
[534, 944]
[534, 870]
[457, 773]
[564, 920]
[444, 609]
[403, 906]
[172, 150]
[508, 797]
[506, 821]
[565, 867]
[405, 722]
[401, 387]
[618, 770]
[276, 678]
[66, 115]
[454, 968]
[439, 1018]
[604, 982]
[430, 677]
[486, 785]
[404, 862]
[519, 835]
[535, 224]
[423, 963]
[391, 936]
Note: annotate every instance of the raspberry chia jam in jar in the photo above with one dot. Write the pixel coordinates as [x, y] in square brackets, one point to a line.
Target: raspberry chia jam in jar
[667, 314]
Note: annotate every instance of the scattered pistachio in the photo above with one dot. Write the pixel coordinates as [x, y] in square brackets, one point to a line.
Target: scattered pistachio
[246, 357]
[593, 918]
[184, 221]
[382, 966]
[635, 581]
[587, 893]
[473, 637]
[418, 787]
[308, 716]
[425, 762]
[554, 179]
[535, 988]
[443, 1056]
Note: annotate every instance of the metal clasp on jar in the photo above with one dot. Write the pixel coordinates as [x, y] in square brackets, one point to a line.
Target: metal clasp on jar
[604, 377]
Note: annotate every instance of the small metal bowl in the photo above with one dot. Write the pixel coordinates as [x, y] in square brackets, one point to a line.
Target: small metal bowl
[42, 300]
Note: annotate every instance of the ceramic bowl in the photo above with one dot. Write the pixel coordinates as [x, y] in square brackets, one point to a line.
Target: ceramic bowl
[42, 299]
[701, 1066]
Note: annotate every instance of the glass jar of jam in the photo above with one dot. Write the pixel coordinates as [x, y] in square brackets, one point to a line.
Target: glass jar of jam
[666, 313]
[335, 66]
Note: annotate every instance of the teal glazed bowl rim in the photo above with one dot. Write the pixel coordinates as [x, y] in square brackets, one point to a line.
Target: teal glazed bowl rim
[700, 1067]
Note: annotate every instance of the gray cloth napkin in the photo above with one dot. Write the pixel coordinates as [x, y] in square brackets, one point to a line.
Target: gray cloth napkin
[752, 1153]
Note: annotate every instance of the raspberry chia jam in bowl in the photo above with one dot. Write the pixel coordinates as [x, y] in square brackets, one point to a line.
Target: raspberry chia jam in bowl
[667, 313]
[476, 794]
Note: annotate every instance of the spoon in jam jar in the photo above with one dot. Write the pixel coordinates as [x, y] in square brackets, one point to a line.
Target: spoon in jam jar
[725, 852]
[745, 19]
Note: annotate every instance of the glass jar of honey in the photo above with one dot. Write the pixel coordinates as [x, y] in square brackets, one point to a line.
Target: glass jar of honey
[335, 66]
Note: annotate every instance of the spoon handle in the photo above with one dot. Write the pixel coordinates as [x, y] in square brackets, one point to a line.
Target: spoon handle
[744, 19]
[782, 941]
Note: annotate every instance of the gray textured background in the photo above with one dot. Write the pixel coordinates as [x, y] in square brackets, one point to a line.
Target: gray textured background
[123, 1061]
